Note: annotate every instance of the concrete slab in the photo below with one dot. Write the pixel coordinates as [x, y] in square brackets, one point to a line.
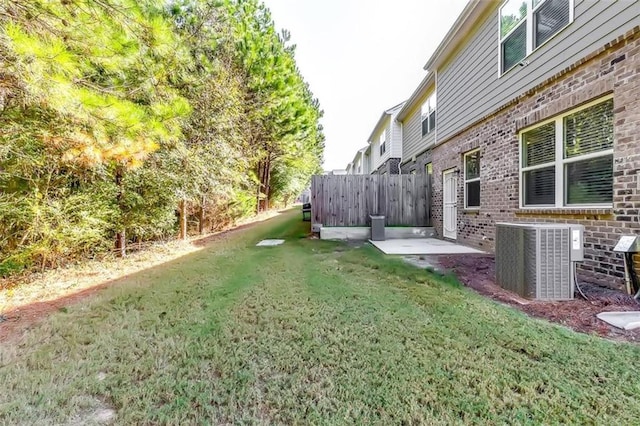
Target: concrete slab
[269, 243]
[364, 232]
[404, 232]
[623, 320]
[345, 233]
[422, 246]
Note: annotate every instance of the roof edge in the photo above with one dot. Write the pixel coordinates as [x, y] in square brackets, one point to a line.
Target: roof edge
[458, 31]
[426, 82]
[388, 112]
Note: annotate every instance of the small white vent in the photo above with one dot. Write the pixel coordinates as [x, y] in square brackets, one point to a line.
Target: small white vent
[535, 260]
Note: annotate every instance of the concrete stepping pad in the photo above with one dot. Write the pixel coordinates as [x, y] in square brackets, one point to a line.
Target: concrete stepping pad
[269, 243]
[623, 320]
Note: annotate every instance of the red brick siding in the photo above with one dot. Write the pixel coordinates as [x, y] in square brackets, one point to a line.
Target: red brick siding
[613, 69]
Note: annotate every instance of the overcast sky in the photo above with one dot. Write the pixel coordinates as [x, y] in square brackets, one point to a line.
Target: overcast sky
[361, 57]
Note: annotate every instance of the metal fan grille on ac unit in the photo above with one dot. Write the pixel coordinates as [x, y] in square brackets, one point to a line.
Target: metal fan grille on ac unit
[534, 260]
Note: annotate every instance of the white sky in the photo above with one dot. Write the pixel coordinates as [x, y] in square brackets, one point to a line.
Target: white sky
[361, 57]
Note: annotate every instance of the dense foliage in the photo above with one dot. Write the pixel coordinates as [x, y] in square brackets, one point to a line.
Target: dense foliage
[122, 119]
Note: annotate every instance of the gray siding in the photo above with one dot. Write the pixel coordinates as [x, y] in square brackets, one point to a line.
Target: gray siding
[469, 86]
[413, 143]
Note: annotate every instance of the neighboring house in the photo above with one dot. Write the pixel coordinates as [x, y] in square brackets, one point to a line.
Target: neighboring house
[538, 118]
[385, 143]
[349, 169]
[418, 120]
[335, 172]
[361, 164]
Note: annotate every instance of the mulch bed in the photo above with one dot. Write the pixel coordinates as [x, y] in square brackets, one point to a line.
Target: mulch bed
[478, 273]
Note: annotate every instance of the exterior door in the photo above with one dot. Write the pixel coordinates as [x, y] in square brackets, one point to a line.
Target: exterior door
[450, 203]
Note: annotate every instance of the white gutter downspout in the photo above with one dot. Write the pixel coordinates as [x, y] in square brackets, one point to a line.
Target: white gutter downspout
[401, 143]
[435, 137]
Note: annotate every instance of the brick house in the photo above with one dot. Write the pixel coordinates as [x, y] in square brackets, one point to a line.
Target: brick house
[537, 120]
[385, 143]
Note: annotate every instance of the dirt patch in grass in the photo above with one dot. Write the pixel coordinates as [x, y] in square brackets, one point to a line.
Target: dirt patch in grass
[92, 411]
[478, 272]
[33, 297]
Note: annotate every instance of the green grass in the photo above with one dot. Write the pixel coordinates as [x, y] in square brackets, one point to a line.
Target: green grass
[308, 332]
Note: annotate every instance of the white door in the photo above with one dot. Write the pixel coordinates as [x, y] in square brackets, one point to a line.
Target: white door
[450, 203]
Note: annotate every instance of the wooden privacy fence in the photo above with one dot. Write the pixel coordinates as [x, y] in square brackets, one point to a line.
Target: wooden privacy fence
[349, 200]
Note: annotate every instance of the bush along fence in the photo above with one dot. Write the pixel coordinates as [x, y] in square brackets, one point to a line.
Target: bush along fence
[349, 200]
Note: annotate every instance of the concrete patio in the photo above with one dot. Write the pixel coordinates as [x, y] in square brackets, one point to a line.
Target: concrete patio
[422, 246]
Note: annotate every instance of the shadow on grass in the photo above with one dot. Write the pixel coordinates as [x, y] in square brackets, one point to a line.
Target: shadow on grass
[18, 319]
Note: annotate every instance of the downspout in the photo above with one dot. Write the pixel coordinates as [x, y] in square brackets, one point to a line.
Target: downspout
[435, 136]
[401, 145]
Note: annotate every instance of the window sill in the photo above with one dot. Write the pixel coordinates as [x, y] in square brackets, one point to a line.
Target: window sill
[471, 210]
[600, 213]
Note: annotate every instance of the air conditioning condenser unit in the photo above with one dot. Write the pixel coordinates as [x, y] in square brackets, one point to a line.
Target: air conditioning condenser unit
[536, 260]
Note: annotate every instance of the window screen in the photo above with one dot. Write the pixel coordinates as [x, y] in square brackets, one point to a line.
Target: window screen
[550, 18]
[539, 145]
[589, 130]
[514, 48]
[590, 181]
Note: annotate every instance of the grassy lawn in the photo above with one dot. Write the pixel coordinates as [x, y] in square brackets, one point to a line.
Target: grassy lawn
[307, 332]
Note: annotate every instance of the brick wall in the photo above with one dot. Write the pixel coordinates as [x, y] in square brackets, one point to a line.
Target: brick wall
[391, 167]
[614, 69]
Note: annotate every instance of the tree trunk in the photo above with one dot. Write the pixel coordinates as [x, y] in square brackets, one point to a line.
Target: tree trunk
[183, 219]
[121, 235]
[259, 187]
[263, 185]
[201, 216]
[267, 184]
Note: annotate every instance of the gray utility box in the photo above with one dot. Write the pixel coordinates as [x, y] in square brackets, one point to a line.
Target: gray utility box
[628, 244]
[536, 260]
[377, 228]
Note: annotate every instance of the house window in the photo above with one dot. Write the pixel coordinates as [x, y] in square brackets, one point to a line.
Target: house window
[568, 161]
[428, 168]
[526, 24]
[429, 114]
[383, 142]
[472, 179]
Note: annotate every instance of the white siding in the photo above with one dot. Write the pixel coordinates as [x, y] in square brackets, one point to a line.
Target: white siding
[378, 160]
[396, 138]
[366, 164]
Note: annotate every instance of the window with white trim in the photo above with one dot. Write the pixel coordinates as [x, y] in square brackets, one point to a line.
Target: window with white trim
[568, 161]
[472, 179]
[428, 114]
[383, 142]
[526, 24]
